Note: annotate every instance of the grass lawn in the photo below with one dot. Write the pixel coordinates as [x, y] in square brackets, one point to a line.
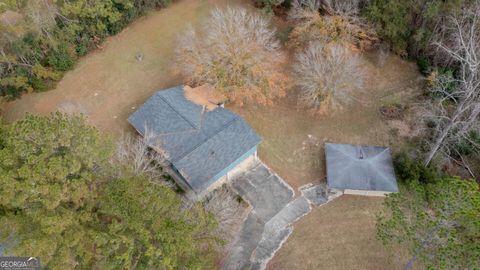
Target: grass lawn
[109, 84]
[293, 137]
[339, 235]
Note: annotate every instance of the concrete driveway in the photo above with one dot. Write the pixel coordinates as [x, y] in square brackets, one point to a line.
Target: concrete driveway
[274, 210]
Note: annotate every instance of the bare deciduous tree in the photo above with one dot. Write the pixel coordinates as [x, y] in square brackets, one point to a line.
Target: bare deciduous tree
[327, 75]
[302, 9]
[348, 8]
[41, 16]
[235, 51]
[329, 7]
[455, 116]
[326, 21]
[224, 203]
[137, 154]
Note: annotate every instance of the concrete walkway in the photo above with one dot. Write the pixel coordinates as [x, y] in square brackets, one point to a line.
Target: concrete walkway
[274, 210]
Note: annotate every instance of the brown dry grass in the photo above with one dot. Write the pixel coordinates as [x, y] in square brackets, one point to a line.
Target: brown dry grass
[10, 17]
[339, 235]
[293, 137]
[109, 84]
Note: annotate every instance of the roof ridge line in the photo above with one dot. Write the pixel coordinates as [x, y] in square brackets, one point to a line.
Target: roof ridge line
[181, 115]
[229, 123]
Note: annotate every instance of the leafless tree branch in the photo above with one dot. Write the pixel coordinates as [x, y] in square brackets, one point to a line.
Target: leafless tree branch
[328, 75]
[224, 203]
[455, 116]
[142, 155]
[237, 52]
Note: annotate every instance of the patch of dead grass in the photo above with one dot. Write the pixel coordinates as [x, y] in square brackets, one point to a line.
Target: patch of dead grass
[109, 84]
[339, 235]
[287, 130]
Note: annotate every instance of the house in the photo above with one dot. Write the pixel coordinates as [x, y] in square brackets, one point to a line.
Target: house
[360, 170]
[204, 144]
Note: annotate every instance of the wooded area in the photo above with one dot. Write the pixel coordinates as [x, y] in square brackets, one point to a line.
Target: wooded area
[67, 199]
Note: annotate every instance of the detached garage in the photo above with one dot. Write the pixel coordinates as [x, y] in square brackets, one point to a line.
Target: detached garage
[360, 170]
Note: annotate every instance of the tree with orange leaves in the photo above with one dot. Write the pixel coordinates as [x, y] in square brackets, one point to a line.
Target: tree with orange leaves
[236, 52]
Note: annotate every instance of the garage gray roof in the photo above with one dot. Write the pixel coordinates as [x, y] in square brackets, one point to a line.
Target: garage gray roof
[199, 143]
[360, 167]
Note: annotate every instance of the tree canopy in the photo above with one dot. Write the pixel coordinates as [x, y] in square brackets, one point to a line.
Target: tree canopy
[437, 222]
[48, 181]
[62, 199]
[408, 25]
[40, 40]
[148, 228]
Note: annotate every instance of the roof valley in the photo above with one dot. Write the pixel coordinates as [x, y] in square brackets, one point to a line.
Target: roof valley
[200, 143]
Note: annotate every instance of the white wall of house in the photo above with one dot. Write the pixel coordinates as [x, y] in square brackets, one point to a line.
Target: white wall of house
[372, 193]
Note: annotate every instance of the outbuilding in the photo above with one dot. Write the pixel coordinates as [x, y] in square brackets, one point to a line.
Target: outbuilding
[360, 170]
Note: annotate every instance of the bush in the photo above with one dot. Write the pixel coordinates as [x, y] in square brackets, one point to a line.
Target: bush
[327, 75]
[441, 84]
[61, 59]
[467, 145]
[145, 5]
[9, 91]
[236, 52]
[410, 170]
[424, 65]
[37, 84]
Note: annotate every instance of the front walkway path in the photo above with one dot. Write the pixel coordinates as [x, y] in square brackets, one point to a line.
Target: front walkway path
[274, 210]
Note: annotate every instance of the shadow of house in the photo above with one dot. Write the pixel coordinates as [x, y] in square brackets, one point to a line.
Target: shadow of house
[203, 147]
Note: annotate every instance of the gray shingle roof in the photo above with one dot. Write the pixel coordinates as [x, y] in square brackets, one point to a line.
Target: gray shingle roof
[200, 144]
[360, 167]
